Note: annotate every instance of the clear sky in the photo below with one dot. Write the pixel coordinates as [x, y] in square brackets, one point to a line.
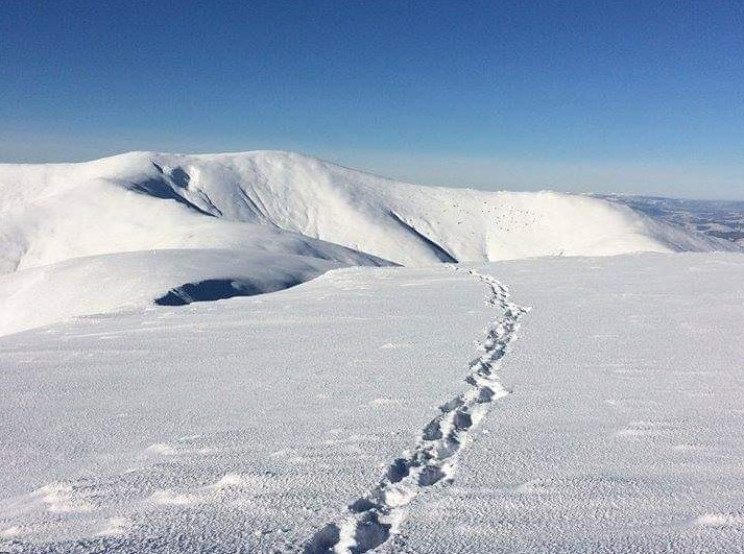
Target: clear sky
[635, 96]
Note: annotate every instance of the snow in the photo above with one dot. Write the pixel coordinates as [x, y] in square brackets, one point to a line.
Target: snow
[548, 389]
[144, 201]
[122, 229]
[134, 280]
[283, 390]
[253, 423]
[624, 431]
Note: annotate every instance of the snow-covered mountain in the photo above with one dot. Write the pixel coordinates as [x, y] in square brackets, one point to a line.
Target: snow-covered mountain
[583, 405]
[145, 201]
[261, 221]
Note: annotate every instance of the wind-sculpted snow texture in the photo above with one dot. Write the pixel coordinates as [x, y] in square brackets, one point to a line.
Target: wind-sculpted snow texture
[228, 426]
[247, 425]
[374, 517]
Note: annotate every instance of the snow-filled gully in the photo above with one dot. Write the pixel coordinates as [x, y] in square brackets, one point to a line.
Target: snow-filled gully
[373, 519]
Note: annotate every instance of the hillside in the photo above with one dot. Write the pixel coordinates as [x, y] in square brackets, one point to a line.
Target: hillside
[270, 220]
[143, 200]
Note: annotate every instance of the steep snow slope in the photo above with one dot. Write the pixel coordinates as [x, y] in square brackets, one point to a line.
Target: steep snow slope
[52, 213]
[145, 200]
[405, 223]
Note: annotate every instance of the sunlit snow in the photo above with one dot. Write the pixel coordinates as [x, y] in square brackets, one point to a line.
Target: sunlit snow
[569, 380]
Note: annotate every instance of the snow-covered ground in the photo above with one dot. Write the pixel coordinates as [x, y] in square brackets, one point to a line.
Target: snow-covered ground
[416, 409]
[129, 280]
[611, 424]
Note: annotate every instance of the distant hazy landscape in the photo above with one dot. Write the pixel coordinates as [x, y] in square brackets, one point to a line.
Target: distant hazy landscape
[718, 219]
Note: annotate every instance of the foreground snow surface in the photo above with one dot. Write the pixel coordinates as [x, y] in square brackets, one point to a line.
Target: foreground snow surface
[250, 424]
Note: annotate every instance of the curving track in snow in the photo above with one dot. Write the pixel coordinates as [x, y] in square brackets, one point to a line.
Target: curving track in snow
[373, 519]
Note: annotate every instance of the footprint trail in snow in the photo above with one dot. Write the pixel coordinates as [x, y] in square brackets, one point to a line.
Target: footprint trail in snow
[374, 518]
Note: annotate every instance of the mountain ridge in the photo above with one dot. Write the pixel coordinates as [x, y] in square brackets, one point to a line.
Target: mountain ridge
[401, 222]
[261, 221]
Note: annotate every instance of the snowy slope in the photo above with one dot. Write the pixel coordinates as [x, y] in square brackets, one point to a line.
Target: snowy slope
[404, 223]
[251, 425]
[145, 200]
[266, 209]
[134, 280]
[72, 242]
[52, 213]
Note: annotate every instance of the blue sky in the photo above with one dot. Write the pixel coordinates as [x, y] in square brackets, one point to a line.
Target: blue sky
[636, 96]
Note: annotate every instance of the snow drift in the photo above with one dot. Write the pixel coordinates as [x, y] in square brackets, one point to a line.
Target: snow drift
[130, 280]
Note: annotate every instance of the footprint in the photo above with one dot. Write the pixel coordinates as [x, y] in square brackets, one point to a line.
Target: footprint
[368, 523]
[733, 519]
[160, 449]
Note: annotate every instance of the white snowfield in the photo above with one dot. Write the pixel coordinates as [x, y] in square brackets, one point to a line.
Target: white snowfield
[570, 403]
[278, 205]
[594, 406]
